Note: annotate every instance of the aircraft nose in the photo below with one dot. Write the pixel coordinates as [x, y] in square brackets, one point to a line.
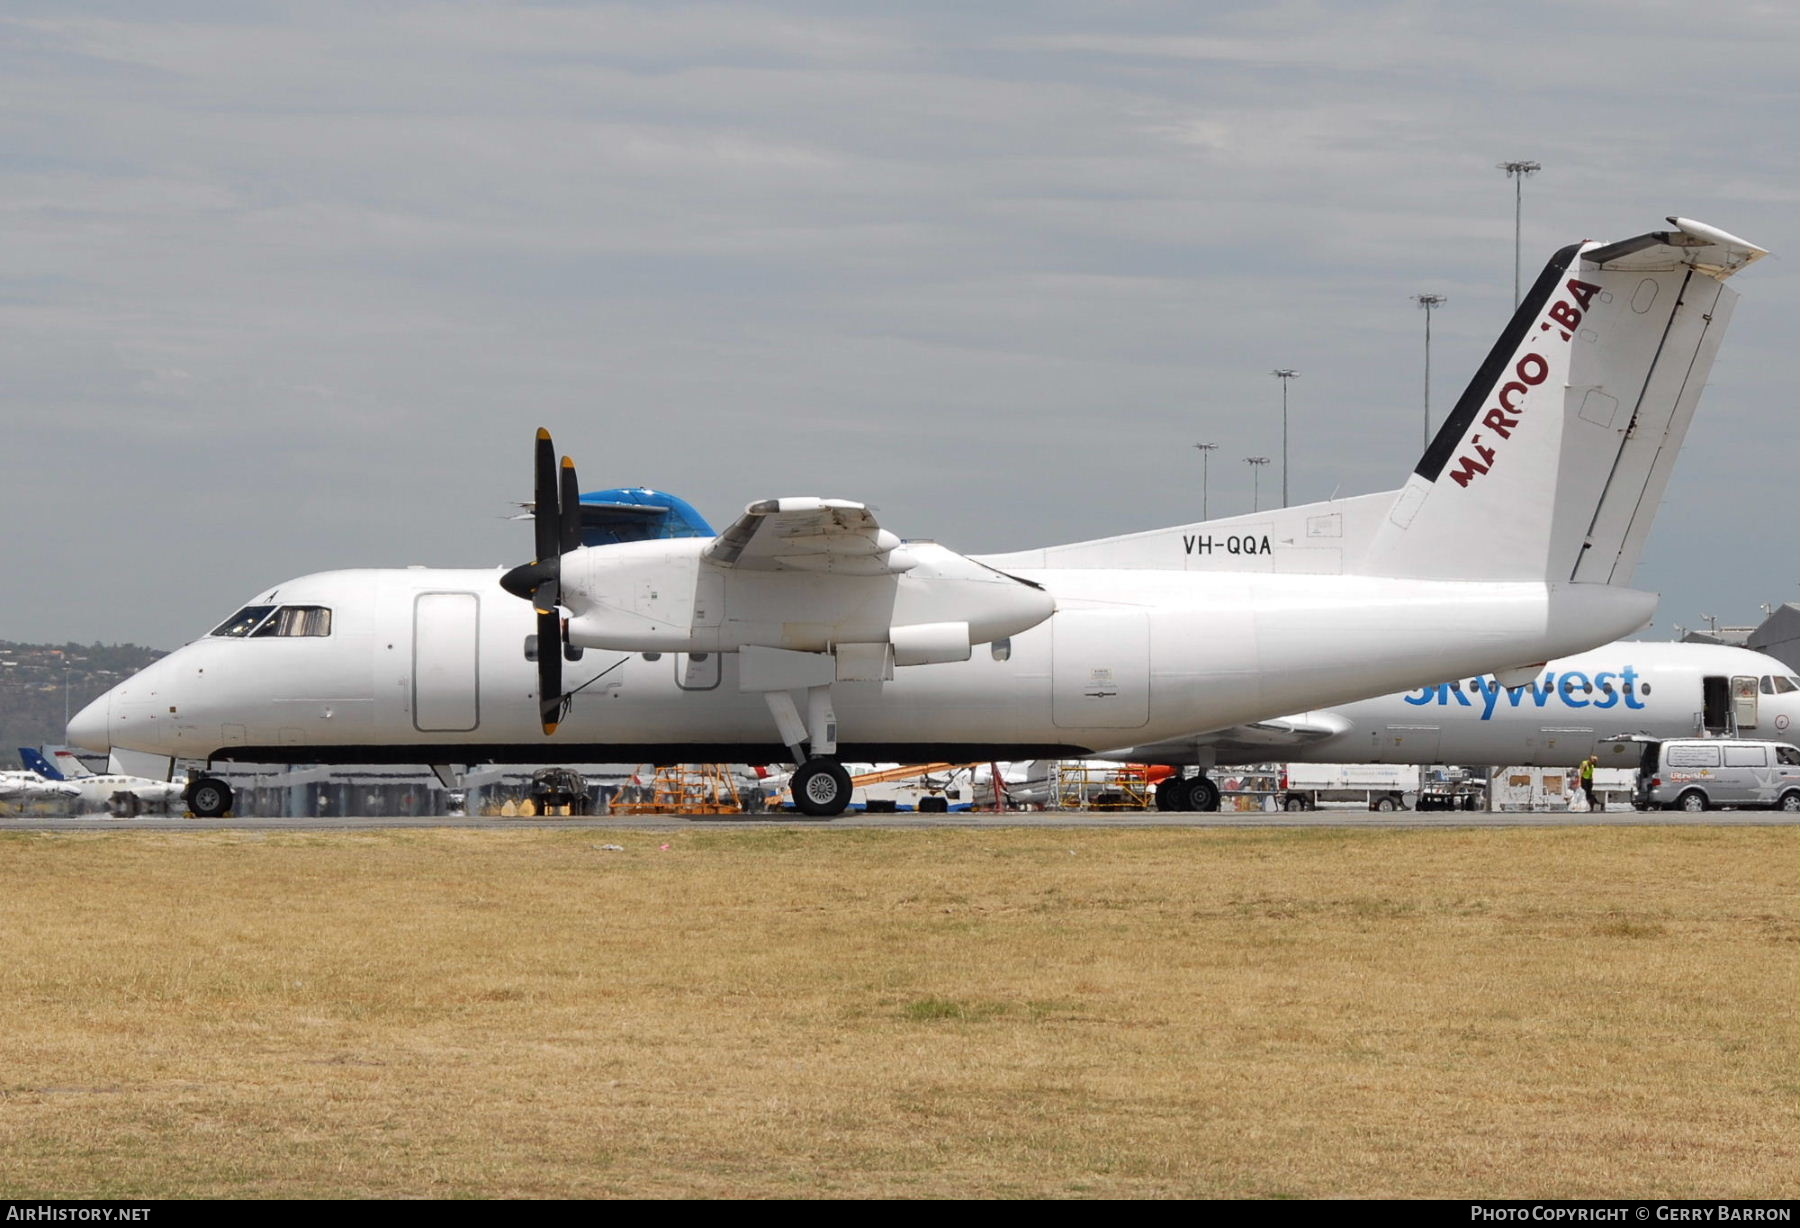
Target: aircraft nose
[91, 728]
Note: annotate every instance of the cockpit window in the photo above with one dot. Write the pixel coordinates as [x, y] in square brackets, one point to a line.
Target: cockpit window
[292, 620]
[244, 621]
[1786, 686]
[268, 620]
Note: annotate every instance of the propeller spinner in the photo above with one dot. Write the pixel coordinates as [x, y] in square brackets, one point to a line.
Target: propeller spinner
[556, 517]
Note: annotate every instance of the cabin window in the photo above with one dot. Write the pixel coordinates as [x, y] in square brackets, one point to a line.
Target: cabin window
[1787, 756]
[244, 621]
[297, 620]
[1746, 756]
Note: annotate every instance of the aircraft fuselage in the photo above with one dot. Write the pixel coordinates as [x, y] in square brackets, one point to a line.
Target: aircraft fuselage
[425, 665]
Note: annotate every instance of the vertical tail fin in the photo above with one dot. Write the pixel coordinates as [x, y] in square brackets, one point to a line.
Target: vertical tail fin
[1552, 462]
[36, 762]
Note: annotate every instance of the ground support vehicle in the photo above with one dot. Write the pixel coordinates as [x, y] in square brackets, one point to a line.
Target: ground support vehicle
[1378, 786]
[1696, 774]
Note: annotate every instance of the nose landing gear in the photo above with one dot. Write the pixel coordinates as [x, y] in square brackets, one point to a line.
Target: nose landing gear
[208, 797]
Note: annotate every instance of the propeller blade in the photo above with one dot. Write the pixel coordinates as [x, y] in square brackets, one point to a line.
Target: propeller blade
[549, 664]
[570, 521]
[545, 513]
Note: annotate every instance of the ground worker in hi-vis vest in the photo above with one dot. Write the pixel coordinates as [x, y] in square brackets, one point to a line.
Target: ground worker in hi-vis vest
[1587, 781]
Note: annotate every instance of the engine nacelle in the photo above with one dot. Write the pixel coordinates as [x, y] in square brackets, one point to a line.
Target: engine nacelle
[664, 596]
[931, 643]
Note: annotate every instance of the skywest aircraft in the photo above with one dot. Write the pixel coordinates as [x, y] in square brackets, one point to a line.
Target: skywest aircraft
[1575, 707]
[805, 617]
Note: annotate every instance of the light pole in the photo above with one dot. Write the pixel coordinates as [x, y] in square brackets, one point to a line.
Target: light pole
[1256, 463]
[1516, 171]
[1205, 450]
[1284, 374]
[1428, 301]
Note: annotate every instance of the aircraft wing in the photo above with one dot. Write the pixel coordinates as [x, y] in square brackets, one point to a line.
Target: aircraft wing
[808, 534]
[1235, 742]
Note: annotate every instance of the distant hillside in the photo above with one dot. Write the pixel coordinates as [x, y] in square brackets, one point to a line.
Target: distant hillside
[32, 679]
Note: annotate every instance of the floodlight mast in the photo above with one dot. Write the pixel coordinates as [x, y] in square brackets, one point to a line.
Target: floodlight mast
[1428, 302]
[1205, 450]
[1517, 170]
[1284, 374]
[1256, 463]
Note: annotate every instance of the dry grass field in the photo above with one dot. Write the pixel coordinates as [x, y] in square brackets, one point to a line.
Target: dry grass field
[754, 1012]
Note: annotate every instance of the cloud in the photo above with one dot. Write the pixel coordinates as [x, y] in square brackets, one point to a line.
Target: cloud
[288, 287]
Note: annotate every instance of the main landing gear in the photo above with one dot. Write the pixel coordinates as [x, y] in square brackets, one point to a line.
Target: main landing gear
[820, 785]
[1193, 793]
[208, 797]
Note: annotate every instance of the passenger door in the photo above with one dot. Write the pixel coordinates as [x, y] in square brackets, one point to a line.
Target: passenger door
[446, 636]
[1743, 702]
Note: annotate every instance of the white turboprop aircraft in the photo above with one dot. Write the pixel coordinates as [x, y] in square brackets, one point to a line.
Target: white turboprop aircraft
[1576, 707]
[113, 790]
[806, 617]
[29, 786]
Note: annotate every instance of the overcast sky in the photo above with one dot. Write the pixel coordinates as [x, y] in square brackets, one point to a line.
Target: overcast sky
[287, 287]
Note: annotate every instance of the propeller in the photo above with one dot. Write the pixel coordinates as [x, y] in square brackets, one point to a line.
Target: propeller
[556, 525]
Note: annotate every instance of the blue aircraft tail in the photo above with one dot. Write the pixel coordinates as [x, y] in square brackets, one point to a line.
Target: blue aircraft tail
[37, 763]
[637, 513]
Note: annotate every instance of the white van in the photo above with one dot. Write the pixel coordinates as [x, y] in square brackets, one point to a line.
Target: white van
[1701, 773]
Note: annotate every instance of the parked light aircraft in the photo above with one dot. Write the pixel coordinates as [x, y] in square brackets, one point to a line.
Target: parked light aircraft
[113, 788]
[29, 786]
[806, 619]
[1577, 706]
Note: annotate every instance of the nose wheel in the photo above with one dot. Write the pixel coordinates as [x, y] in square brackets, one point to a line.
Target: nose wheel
[208, 797]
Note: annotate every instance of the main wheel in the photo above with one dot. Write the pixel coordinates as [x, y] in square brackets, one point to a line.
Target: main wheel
[1200, 794]
[1170, 795]
[821, 788]
[1693, 801]
[208, 797]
